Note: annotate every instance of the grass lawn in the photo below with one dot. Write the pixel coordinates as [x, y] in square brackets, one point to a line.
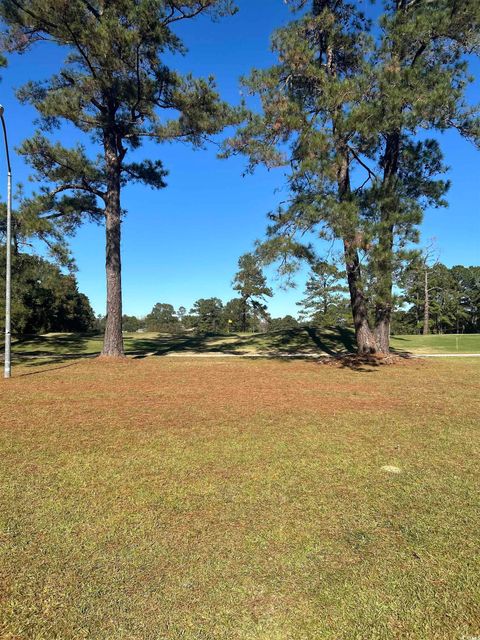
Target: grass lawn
[458, 343]
[221, 499]
[306, 340]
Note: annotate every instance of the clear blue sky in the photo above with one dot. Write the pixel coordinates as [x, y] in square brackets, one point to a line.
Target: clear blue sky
[183, 243]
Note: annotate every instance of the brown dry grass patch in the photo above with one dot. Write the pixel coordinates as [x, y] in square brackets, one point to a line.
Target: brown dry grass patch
[234, 499]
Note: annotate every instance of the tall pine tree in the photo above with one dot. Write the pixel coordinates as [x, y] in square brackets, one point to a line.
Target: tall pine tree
[420, 79]
[116, 88]
[343, 108]
[312, 100]
[251, 284]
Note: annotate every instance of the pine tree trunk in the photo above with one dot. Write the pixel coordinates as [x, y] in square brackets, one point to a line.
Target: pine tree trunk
[426, 307]
[384, 300]
[244, 315]
[113, 340]
[384, 267]
[383, 317]
[365, 339]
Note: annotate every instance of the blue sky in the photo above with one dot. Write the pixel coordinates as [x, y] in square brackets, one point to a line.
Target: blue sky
[183, 242]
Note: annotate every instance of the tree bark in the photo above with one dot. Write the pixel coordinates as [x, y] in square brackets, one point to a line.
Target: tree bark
[366, 343]
[113, 340]
[384, 301]
[364, 336]
[383, 318]
[244, 314]
[384, 267]
[426, 306]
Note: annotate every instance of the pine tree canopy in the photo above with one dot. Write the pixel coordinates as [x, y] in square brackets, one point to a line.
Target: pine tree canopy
[249, 281]
[113, 83]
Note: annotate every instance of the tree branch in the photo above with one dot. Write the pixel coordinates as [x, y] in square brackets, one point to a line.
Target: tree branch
[371, 174]
[33, 15]
[81, 51]
[92, 9]
[183, 14]
[78, 186]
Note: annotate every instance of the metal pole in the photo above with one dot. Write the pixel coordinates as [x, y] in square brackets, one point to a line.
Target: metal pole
[8, 274]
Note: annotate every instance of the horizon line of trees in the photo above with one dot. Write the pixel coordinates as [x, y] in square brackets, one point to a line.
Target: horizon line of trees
[208, 316]
[453, 300]
[430, 299]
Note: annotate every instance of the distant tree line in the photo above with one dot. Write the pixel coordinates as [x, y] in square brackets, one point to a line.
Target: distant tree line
[452, 303]
[430, 299]
[437, 299]
[207, 316]
[247, 312]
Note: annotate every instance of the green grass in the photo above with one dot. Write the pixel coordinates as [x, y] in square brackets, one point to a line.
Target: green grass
[141, 344]
[220, 499]
[302, 340]
[460, 343]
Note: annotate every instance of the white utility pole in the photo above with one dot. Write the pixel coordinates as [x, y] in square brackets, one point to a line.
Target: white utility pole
[8, 270]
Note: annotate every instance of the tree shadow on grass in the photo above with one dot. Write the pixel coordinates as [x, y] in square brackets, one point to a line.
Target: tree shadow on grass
[53, 349]
[299, 343]
[301, 340]
[54, 344]
[166, 344]
[333, 340]
[45, 370]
